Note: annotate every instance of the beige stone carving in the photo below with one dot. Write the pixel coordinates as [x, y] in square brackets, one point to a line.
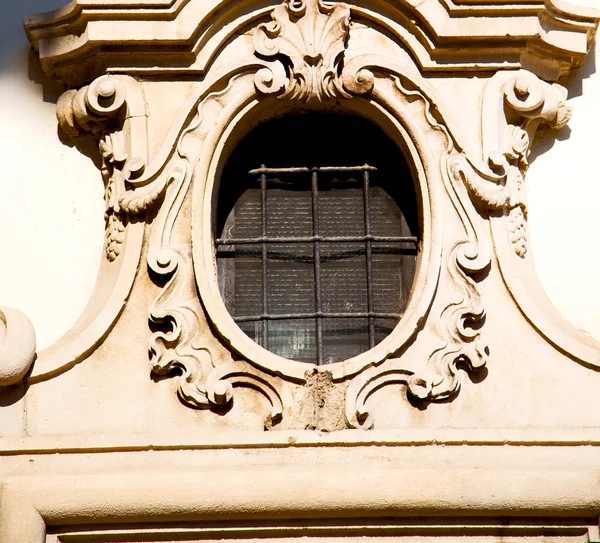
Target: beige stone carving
[311, 36]
[206, 380]
[160, 401]
[302, 55]
[17, 346]
[549, 38]
[103, 108]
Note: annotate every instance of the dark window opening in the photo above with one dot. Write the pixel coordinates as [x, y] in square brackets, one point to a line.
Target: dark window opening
[317, 236]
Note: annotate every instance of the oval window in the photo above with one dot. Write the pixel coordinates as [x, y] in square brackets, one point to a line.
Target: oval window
[317, 236]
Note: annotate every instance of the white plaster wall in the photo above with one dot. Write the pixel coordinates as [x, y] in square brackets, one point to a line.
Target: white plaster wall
[564, 191]
[51, 205]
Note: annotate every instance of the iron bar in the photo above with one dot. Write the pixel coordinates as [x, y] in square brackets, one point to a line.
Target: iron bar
[317, 257]
[323, 239]
[266, 242]
[369, 257]
[317, 315]
[263, 170]
[265, 294]
[282, 256]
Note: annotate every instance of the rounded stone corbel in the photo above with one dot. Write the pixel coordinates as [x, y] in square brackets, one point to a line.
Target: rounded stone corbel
[17, 345]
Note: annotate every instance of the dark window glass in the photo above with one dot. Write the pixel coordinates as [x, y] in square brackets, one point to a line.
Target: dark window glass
[317, 236]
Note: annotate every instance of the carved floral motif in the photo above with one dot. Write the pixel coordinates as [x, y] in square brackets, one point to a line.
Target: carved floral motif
[305, 44]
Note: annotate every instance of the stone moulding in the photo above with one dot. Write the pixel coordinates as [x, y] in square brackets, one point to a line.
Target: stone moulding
[547, 37]
[553, 502]
[300, 55]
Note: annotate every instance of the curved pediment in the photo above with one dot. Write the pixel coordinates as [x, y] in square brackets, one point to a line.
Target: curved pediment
[180, 84]
[87, 38]
[460, 405]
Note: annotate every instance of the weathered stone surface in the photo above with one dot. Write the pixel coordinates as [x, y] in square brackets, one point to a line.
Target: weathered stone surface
[156, 408]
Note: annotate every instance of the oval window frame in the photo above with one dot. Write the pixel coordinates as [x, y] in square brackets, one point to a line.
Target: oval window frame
[234, 124]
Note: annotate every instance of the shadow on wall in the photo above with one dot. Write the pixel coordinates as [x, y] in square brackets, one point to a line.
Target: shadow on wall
[545, 137]
[51, 89]
[12, 35]
[15, 48]
[574, 83]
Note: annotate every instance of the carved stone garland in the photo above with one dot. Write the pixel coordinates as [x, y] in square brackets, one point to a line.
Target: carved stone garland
[103, 109]
[528, 102]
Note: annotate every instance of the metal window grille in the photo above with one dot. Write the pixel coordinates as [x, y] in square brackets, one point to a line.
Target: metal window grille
[313, 248]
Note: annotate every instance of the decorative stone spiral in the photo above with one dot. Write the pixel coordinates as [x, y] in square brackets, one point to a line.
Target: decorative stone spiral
[17, 345]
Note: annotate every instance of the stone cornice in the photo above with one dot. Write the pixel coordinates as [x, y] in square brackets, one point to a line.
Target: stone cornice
[220, 493]
[90, 37]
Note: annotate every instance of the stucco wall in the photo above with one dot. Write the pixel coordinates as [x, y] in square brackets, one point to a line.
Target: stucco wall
[564, 189]
[51, 205]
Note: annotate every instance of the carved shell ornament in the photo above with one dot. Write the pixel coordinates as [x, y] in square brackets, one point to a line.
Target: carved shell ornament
[311, 36]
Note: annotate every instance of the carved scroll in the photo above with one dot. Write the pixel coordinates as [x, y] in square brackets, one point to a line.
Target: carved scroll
[17, 346]
[186, 346]
[455, 324]
[528, 102]
[183, 345]
[103, 109]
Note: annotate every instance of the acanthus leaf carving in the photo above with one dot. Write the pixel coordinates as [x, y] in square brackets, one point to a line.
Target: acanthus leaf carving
[304, 44]
[497, 189]
[457, 328]
[461, 320]
[178, 344]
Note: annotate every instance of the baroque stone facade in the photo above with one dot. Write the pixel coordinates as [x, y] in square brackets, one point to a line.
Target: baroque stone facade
[156, 418]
